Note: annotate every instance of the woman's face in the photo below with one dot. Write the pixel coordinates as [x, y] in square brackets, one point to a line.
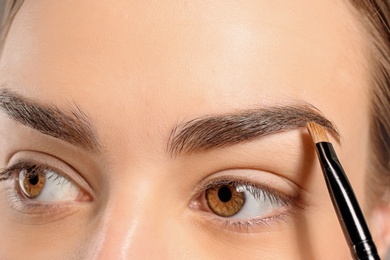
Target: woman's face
[124, 176]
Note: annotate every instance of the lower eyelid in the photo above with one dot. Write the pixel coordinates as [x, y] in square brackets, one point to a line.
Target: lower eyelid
[256, 225]
[33, 213]
[271, 223]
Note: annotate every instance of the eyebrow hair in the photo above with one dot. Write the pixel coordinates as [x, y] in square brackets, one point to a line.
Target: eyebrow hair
[73, 126]
[212, 132]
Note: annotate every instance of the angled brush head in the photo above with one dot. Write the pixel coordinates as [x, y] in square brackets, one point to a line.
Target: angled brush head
[317, 132]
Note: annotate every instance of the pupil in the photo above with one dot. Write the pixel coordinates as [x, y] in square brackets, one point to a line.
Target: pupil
[33, 179]
[224, 194]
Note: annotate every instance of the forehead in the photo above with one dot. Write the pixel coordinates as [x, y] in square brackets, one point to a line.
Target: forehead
[163, 40]
[202, 56]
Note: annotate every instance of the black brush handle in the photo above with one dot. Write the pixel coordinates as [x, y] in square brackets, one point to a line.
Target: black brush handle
[346, 205]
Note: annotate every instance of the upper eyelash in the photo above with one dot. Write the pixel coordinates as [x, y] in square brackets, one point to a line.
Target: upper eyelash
[7, 172]
[254, 188]
[4, 176]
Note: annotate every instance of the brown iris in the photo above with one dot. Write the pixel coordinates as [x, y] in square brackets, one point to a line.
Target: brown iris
[32, 183]
[225, 200]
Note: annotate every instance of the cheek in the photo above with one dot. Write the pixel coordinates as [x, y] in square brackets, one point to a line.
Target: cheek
[306, 239]
[322, 239]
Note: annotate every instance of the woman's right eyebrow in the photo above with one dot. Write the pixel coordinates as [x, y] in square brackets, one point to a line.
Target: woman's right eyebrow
[217, 131]
[73, 126]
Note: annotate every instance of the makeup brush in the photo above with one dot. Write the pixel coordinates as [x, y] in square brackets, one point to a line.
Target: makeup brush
[350, 216]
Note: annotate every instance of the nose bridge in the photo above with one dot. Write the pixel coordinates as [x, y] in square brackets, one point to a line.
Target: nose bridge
[134, 223]
[132, 238]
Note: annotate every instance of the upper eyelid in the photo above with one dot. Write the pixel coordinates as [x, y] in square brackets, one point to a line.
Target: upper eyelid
[226, 175]
[27, 165]
[20, 165]
[226, 180]
[7, 172]
[242, 181]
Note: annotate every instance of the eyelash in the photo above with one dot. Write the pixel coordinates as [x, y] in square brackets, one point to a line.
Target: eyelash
[25, 165]
[291, 204]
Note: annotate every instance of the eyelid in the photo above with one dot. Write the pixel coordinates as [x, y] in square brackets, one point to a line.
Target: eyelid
[274, 220]
[36, 213]
[285, 198]
[29, 158]
[285, 191]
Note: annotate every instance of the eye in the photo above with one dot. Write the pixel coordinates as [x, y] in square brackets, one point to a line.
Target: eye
[241, 200]
[46, 186]
[41, 184]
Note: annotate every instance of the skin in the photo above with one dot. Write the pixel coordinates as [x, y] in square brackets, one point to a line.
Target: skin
[138, 69]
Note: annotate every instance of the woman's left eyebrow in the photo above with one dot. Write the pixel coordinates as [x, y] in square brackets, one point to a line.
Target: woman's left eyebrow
[217, 131]
[74, 127]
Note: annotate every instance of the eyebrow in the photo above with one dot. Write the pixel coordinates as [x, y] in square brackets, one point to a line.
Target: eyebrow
[212, 132]
[73, 126]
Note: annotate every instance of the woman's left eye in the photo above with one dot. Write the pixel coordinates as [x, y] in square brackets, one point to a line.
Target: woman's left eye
[235, 200]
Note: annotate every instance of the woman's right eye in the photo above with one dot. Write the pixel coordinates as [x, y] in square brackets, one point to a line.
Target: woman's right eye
[39, 184]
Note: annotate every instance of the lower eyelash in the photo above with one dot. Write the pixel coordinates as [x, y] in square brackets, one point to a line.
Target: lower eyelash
[34, 213]
[16, 202]
[256, 225]
[263, 222]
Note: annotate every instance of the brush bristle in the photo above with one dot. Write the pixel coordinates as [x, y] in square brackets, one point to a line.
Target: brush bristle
[318, 134]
